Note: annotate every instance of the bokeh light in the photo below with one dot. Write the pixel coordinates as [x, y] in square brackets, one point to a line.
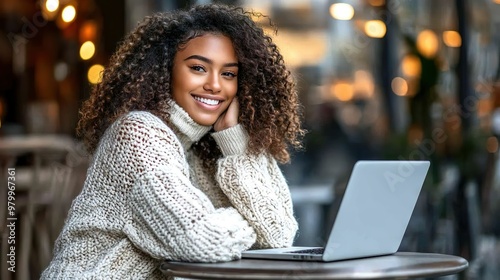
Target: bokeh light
[61, 70]
[94, 74]
[399, 86]
[411, 66]
[427, 43]
[492, 144]
[341, 11]
[452, 38]
[375, 28]
[342, 90]
[87, 50]
[68, 13]
[52, 5]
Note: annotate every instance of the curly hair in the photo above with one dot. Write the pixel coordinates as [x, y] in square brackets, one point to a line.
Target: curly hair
[138, 77]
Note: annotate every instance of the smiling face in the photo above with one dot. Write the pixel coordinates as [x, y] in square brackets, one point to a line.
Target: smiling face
[204, 77]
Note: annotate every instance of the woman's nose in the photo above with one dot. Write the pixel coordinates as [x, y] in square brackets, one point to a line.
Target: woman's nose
[212, 84]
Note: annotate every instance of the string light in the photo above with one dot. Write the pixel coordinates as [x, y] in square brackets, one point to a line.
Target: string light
[94, 75]
[87, 50]
[411, 66]
[341, 11]
[342, 90]
[52, 5]
[452, 38]
[68, 13]
[399, 86]
[427, 43]
[375, 28]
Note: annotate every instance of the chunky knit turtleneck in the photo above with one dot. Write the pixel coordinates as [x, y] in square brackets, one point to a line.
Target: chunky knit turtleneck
[187, 130]
[148, 198]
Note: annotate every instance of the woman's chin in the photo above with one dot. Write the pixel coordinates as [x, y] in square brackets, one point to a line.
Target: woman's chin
[205, 121]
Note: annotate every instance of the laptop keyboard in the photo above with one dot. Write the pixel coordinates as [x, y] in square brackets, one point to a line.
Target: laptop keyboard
[318, 251]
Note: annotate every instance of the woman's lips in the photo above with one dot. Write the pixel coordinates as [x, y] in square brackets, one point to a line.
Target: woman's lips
[208, 101]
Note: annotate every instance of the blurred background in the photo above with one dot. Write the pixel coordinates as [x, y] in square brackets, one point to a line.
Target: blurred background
[378, 79]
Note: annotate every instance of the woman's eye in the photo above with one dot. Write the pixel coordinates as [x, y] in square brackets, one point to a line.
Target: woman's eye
[198, 68]
[229, 74]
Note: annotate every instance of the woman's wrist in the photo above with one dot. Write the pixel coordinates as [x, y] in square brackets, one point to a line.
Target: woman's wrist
[232, 140]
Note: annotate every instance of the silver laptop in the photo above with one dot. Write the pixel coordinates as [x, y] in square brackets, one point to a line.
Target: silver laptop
[373, 215]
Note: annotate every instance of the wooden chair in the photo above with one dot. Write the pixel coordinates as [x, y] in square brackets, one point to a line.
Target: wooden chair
[43, 188]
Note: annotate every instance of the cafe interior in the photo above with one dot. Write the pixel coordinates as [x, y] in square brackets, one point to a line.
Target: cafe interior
[377, 79]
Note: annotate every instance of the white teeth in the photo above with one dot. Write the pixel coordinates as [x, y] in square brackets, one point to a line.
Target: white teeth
[207, 101]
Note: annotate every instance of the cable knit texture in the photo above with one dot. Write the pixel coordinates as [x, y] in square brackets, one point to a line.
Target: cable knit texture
[148, 198]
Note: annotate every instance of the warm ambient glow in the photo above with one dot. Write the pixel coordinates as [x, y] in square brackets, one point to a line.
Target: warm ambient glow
[95, 73]
[492, 144]
[52, 5]
[88, 31]
[411, 66]
[376, 3]
[496, 1]
[427, 43]
[87, 50]
[68, 13]
[375, 28]
[341, 11]
[363, 84]
[342, 90]
[300, 48]
[452, 39]
[351, 115]
[399, 86]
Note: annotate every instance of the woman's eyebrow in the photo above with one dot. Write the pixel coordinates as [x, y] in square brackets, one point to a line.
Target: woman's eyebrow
[209, 61]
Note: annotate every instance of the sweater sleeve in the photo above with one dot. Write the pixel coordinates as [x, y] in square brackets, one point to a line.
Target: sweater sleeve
[167, 217]
[257, 189]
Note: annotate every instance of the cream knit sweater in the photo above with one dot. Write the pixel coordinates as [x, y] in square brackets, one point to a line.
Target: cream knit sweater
[148, 198]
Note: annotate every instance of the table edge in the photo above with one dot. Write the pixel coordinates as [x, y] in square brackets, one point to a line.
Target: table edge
[177, 269]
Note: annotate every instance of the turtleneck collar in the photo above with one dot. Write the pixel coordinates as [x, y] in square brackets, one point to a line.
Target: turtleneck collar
[185, 127]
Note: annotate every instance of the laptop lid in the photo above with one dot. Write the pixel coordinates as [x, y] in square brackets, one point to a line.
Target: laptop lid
[375, 210]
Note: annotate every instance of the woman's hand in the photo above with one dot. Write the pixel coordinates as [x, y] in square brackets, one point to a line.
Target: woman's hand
[229, 118]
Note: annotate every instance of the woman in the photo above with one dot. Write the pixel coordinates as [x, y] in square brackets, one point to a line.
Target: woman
[193, 112]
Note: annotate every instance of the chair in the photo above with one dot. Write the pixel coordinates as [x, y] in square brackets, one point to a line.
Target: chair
[44, 189]
[310, 206]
